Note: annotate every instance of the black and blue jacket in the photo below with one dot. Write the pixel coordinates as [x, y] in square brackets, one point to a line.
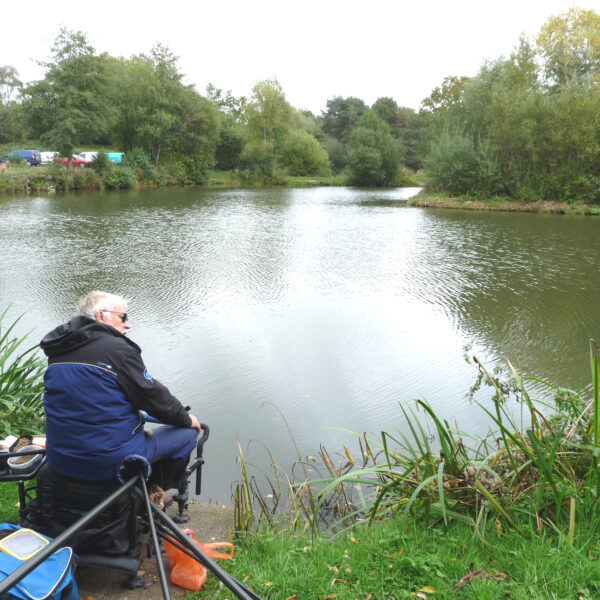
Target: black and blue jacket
[95, 385]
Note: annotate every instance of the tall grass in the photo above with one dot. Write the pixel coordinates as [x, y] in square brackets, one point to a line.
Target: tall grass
[21, 384]
[541, 475]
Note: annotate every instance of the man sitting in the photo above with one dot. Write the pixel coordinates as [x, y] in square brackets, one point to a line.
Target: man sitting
[96, 385]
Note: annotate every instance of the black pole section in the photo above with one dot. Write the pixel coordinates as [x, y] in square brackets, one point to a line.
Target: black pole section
[199, 460]
[238, 589]
[161, 568]
[62, 538]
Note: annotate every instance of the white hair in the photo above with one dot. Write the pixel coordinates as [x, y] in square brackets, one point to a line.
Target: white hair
[98, 301]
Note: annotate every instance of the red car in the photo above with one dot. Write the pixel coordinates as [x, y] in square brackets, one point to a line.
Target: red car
[76, 161]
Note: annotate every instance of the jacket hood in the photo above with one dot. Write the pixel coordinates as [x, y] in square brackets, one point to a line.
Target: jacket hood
[77, 332]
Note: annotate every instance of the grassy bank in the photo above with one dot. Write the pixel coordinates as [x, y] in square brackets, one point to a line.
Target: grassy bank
[404, 559]
[407, 559]
[17, 179]
[229, 179]
[427, 199]
[23, 179]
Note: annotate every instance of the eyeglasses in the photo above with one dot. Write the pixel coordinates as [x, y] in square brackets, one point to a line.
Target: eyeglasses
[122, 315]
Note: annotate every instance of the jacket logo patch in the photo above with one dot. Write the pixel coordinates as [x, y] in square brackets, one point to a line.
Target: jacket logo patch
[147, 375]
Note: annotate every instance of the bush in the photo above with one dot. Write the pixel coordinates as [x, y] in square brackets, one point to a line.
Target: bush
[458, 166]
[121, 177]
[101, 163]
[172, 173]
[16, 160]
[336, 152]
[197, 169]
[365, 166]
[138, 160]
[68, 179]
[375, 157]
[303, 155]
[585, 188]
[230, 146]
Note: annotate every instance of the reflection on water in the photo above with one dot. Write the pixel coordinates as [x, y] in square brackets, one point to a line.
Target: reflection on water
[329, 305]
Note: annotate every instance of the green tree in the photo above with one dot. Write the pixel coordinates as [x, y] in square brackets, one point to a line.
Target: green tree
[10, 84]
[449, 94]
[226, 102]
[457, 165]
[134, 95]
[303, 155]
[156, 112]
[231, 135]
[230, 145]
[387, 110]
[374, 156]
[268, 117]
[341, 116]
[68, 107]
[197, 134]
[569, 46]
[161, 127]
[336, 150]
[411, 133]
[311, 124]
[11, 122]
[11, 127]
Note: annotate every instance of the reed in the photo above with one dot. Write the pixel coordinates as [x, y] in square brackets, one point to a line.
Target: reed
[21, 384]
[541, 474]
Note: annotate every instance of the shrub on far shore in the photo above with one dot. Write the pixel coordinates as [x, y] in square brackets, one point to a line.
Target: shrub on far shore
[119, 178]
[139, 161]
[101, 163]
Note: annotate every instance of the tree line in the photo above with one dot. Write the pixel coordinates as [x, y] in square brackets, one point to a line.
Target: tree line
[141, 105]
[526, 126]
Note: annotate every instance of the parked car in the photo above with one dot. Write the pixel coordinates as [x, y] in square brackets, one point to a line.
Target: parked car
[48, 157]
[116, 157]
[76, 161]
[31, 156]
[88, 155]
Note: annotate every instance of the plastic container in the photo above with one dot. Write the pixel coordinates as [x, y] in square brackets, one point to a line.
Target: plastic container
[23, 543]
[21, 442]
[21, 465]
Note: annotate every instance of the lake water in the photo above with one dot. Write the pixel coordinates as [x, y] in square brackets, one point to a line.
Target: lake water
[320, 309]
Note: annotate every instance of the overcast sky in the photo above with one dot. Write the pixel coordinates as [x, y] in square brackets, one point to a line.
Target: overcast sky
[317, 49]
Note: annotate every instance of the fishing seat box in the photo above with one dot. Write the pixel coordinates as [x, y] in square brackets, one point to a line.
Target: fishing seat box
[66, 500]
[110, 541]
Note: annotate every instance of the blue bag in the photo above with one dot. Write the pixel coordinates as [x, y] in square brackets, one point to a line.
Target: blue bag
[52, 580]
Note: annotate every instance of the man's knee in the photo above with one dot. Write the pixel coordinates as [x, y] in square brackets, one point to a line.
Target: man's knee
[171, 443]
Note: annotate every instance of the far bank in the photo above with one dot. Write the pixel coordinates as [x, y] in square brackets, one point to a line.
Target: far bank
[428, 199]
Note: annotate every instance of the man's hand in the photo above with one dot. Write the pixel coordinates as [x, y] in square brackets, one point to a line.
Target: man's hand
[195, 424]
